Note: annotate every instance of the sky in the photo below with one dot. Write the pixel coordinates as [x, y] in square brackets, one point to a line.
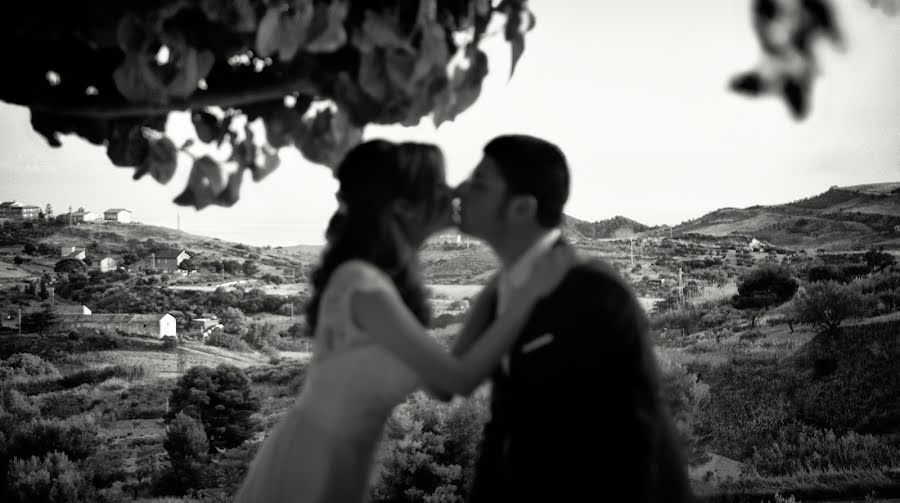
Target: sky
[633, 92]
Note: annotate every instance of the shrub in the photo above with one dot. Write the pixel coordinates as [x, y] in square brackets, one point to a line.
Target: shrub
[169, 343]
[75, 436]
[46, 479]
[685, 395]
[429, 451]
[226, 340]
[879, 259]
[261, 335]
[800, 448]
[67, 403]
[222, 399]
[26, 365]
[447, 319]
[70, 265]
[827, 304]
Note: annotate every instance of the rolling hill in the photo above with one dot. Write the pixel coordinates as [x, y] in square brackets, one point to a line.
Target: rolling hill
[840, 218]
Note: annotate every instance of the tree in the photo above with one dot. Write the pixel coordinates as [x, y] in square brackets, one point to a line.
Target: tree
[187, 265]
[765, 286]
[39, 322]
[877, 259]
[48, 479]
[348, 63]
[188, 450]
[48, 212]
[220, 399]
[250, 268]
[129, 258]
[827, 304]
[81, 209]
[43, 293]
[69, 265]
[29, 248]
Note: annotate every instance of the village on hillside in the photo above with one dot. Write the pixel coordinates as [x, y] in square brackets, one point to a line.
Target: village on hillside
[69, 316]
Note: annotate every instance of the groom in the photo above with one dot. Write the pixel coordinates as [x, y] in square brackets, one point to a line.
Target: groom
[576, 411]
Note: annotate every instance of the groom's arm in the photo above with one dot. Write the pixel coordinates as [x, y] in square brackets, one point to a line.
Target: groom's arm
[478, 319]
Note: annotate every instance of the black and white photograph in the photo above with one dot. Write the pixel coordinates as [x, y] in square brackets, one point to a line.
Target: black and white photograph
[450, 251]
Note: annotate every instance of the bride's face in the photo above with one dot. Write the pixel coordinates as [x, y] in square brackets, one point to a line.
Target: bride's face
[432, 214]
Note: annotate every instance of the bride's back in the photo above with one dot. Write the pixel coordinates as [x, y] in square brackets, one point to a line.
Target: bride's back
[351, 377]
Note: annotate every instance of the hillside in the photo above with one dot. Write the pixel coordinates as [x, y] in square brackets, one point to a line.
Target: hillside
[616, 227]
[841, 218]
[133, 240]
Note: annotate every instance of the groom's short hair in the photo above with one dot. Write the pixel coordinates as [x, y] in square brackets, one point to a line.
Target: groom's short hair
[535, 167]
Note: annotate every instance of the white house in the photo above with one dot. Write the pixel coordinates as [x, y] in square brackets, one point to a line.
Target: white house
[79, 309]
[19, 211]
[208, 326]
[117, 215]
[72, 252]
[152, 325]
[167, 260]
[78, 217]
[108, 264]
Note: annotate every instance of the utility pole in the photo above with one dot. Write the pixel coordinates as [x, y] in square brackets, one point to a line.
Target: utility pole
[70, 215]
[680, 285]
[632, 252]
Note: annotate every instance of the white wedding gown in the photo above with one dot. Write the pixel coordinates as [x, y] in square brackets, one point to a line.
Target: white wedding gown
[322, 449]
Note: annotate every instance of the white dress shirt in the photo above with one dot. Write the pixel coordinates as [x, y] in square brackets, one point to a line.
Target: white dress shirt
[518, 273]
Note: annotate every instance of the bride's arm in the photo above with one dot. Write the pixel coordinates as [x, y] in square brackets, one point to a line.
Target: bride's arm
[476, 322]
[384, 315]
[477, 319]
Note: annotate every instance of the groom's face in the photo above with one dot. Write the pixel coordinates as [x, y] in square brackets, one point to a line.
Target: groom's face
[483, 199]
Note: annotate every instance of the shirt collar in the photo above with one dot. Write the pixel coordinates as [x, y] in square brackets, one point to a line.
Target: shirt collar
[519, 271]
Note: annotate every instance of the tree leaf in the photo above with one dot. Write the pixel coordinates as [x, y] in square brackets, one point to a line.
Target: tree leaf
[137, 82]
[514, 36]
[161, 160]
[231, 193]
[326, 30]
[204, 184]
[432, 52]
[284, 30]
[126, 145]
[373, 75]
[463, 91]
[327, 137]
[271, 163]
[236, 14]
[132, 34]
[207, 125]
[380, 30]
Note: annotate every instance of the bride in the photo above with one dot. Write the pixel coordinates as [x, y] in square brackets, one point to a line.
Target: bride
[368, 314]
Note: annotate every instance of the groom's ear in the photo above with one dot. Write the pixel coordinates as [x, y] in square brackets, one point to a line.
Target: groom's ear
[522, 207]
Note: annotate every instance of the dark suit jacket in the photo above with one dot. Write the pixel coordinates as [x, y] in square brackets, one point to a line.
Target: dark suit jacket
[581, 417]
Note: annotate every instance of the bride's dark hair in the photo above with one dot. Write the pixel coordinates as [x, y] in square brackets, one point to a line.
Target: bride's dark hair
[372, 177]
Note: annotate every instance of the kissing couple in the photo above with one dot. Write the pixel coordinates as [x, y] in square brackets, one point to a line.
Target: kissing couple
[576, 411]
